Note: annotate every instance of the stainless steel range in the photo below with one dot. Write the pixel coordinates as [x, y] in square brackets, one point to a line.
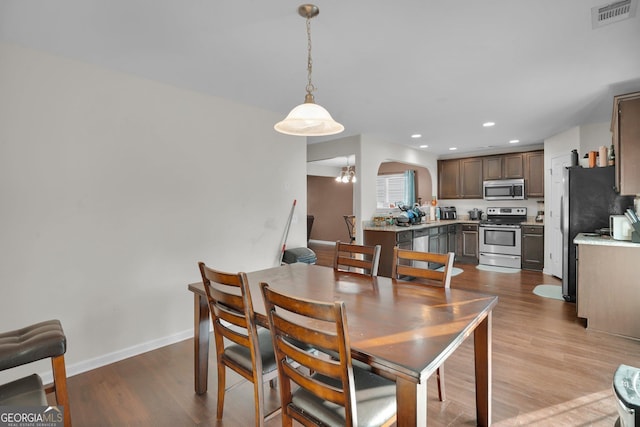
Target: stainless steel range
[501, 237]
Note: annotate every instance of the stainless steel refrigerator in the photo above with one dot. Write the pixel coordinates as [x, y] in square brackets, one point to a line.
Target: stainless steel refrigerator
[589, 198]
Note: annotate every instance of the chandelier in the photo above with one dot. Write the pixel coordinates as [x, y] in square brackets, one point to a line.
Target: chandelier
[347, 174]
[309, 118]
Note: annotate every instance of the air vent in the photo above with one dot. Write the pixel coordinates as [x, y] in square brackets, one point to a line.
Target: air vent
[613, 12]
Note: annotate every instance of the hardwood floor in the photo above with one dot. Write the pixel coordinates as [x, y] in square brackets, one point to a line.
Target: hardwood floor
[548, 370]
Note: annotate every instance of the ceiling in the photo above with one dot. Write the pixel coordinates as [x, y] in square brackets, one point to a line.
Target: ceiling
[384, 69]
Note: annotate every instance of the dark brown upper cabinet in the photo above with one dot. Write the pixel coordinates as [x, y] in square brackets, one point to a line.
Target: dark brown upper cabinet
[504, 166]
[460, 178]
[625, 126]
[534, 174]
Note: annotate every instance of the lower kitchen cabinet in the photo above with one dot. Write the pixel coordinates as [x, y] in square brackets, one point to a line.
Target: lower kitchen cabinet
[467, 248]
[388, 240]
[532, 247]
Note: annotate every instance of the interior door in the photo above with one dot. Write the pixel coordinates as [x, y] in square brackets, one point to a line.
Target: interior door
[553, 217]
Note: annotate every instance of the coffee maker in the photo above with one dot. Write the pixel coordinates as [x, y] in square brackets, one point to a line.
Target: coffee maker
[540, 215]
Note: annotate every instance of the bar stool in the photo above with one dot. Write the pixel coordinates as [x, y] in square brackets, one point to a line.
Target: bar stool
[30, 344]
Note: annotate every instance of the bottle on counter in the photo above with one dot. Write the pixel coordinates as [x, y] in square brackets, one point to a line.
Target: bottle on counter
[612, 156]
[437, 213]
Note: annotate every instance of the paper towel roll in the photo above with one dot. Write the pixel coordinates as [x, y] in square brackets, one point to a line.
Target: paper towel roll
[602, 156]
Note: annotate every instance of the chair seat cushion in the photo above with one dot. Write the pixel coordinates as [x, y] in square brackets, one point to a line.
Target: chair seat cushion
[241, 355]
[375, 400]
[35, 342]
[27, 391]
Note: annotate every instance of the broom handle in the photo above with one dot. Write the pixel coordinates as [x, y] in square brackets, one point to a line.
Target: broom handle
[286, 232]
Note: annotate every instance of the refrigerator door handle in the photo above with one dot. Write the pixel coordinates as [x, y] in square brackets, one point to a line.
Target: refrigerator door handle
[561, 214]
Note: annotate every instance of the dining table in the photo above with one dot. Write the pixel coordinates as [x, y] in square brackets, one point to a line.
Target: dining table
[402, 329]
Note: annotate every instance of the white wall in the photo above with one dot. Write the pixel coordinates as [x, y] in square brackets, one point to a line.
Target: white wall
[114, 187]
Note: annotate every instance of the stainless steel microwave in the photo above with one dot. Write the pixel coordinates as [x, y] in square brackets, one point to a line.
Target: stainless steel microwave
[503, 189]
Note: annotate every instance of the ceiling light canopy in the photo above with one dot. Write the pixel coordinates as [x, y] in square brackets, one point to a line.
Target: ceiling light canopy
[309, 118]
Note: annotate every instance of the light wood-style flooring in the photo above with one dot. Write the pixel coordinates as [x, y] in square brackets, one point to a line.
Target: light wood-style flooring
[548, 370]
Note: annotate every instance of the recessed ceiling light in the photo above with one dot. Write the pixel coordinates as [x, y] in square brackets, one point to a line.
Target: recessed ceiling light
[453, 148]
[514, 141]
[488, 124]
[416, 135]
[424, 146]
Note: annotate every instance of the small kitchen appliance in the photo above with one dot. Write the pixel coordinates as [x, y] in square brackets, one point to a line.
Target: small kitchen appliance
[540, 214]
[448, 212]
[620, 227]
[475, 214]
[503, 189]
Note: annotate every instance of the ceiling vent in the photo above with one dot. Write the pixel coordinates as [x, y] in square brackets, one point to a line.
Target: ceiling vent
[612, 12]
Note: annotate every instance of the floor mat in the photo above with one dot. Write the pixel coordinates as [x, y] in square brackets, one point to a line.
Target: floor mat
[497, 269]
[549, 291]
[454, 271]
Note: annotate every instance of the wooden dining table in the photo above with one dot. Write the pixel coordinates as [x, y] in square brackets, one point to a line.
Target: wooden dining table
[403, 330]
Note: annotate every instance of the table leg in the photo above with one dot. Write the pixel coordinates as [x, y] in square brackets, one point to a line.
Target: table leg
[482, 343]
[201, 343]
[411, 399]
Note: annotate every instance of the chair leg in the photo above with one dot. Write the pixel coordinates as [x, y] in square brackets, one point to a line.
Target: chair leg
[60, 382]
[258, 395]
[440, 377]
[221, 390]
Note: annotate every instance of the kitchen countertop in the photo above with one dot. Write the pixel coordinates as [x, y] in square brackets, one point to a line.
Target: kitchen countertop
[419, 226]
[596, 239]
[429, 224]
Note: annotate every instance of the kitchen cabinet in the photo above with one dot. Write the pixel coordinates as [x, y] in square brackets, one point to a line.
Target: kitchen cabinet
[448, 179]
[625, 127]
[460, 178]
[451, 238]
[504, 166]
[534, 174]
[388, 240]
[532, 247]
[607, 287]
[467, 247]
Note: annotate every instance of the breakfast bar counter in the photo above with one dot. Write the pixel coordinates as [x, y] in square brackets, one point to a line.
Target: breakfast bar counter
[608, 290]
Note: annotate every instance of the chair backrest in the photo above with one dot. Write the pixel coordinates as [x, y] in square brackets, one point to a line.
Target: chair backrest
[231, 310]
[404, 264]
[360, 258]
[322, 325]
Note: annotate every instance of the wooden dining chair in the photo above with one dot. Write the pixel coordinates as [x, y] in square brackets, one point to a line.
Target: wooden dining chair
[358, 258]
[250, 351]
[331, 391]
[416, 264]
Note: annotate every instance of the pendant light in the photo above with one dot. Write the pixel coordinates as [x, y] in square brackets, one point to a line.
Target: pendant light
[309, 118]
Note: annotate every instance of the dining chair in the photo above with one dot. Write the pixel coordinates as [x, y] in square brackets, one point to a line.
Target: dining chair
[331, 391]
[249, 351]
[30, 344]
[360, 258]
[416, 264]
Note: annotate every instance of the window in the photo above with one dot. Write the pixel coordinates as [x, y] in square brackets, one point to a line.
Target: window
[390, 190]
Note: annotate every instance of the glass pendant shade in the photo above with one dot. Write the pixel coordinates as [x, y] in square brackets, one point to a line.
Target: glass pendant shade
[309, 119]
